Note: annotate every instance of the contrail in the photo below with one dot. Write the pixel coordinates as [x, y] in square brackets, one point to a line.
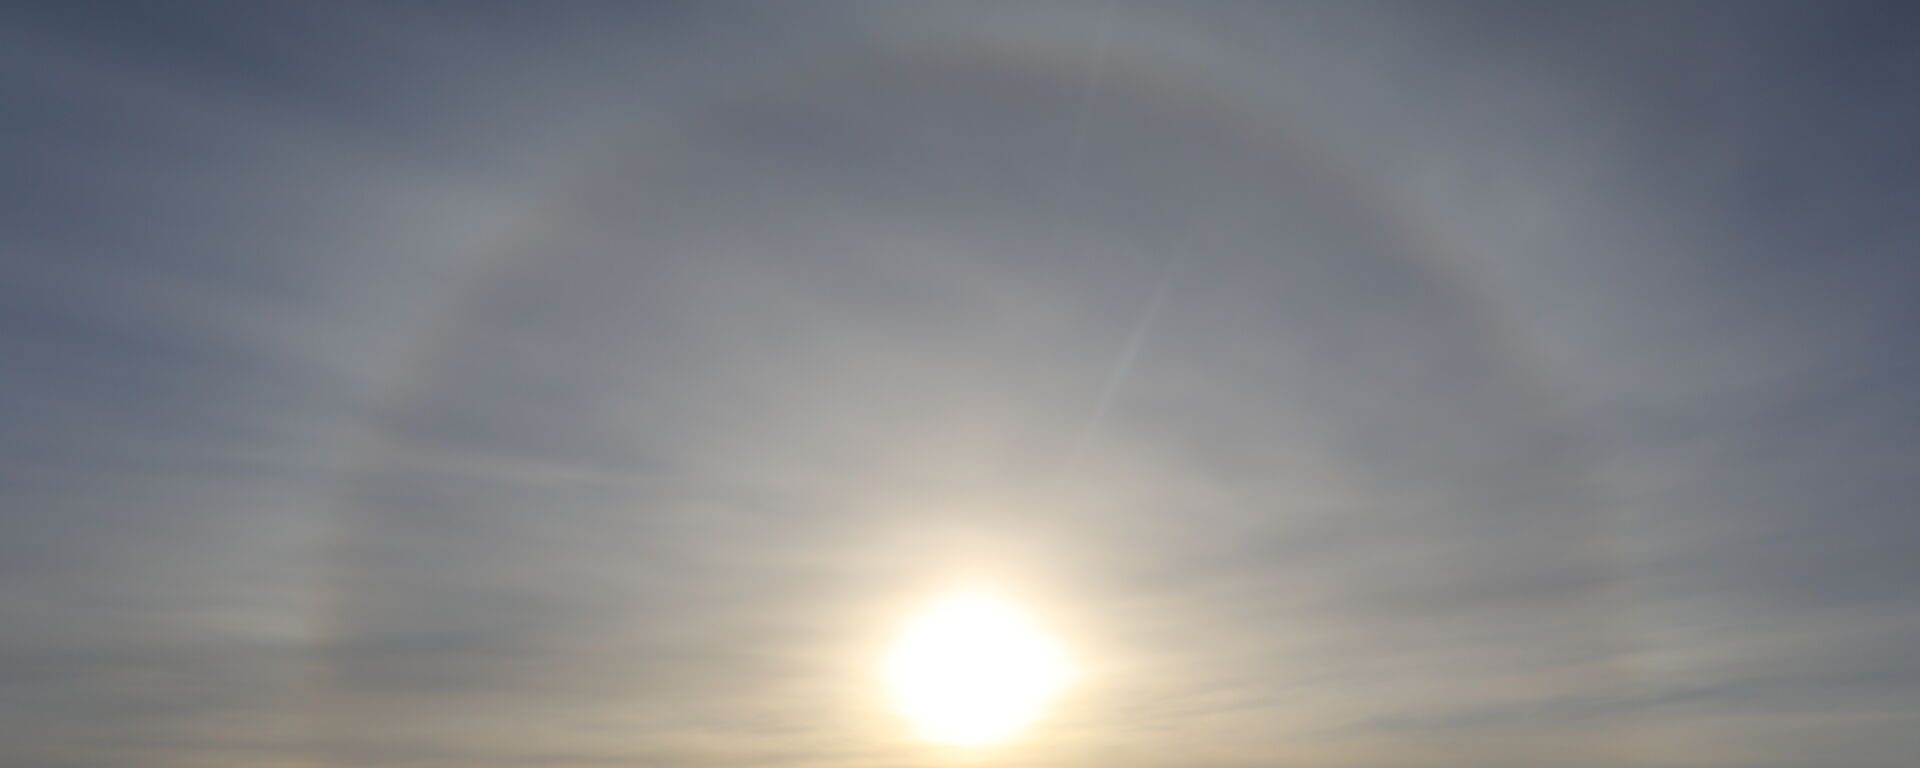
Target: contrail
[1083, 127]
[1084, 123]
[1123, 366]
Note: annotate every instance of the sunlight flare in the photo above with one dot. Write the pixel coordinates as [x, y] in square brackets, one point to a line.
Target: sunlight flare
[972, 671]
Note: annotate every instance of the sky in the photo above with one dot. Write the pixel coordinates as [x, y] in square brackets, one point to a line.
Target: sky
[573, 384]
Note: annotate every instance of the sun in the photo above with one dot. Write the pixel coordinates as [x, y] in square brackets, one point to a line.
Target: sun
[971, 671]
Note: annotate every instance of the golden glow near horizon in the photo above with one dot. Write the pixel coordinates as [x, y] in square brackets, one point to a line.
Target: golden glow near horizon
[971, 671]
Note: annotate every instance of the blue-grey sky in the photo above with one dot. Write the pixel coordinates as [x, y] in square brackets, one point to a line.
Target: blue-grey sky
[1371, 385]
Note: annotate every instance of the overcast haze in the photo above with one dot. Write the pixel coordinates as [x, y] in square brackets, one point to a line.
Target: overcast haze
[1385, 385]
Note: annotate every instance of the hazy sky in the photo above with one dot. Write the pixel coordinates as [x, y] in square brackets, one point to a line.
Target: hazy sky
[571, 384]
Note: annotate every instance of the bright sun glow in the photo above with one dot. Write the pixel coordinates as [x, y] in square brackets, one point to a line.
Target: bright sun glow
[971, 671]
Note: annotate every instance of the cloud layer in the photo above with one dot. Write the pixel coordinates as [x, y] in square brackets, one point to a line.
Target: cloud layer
[570, 385]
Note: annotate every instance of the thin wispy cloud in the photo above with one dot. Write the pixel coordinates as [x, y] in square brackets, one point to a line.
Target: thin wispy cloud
[1380, 384]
